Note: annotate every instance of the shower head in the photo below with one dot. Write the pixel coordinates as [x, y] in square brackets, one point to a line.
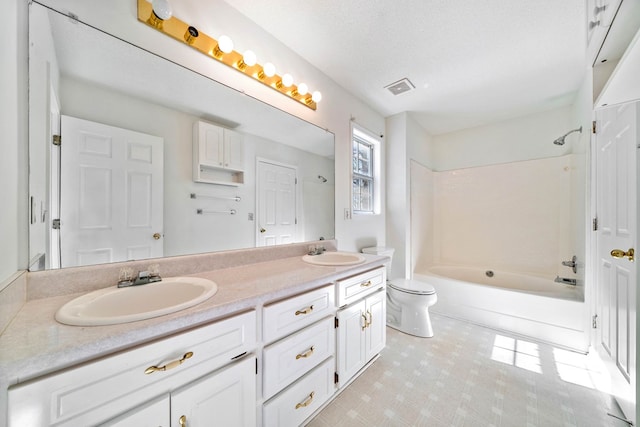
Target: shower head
[560, 141]
[322, 178]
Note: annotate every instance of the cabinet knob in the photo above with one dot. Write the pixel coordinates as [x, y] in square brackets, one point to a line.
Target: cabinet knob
[157, 236]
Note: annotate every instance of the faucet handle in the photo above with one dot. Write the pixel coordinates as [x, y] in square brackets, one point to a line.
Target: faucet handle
[154, 270]
[126, 274]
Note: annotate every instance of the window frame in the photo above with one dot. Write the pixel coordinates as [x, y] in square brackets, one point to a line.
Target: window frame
[364, 137]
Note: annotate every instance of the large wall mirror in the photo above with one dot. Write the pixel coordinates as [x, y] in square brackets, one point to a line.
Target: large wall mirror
[121, 182]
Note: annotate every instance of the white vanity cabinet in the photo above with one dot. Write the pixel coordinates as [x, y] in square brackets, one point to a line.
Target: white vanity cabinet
[298, 358]
[218, 155]
[361, 332]
[191, 374]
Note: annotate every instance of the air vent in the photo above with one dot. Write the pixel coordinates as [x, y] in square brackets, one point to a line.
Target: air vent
[401, 86]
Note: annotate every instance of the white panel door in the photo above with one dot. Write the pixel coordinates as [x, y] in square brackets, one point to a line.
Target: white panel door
[351, 343]
[226, 398]
[616, 145]
[111, 194]
[276, 204]
[376, 331]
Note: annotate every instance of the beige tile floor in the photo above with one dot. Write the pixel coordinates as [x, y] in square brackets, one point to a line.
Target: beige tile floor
[468, 375]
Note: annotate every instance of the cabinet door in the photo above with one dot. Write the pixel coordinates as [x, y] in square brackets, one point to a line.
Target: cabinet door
[351, 341]
[224, 398]
[152, 414]
[210, 144]
[376, 331]
[233, 150]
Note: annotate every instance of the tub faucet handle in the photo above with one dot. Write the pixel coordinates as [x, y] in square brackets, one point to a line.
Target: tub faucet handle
[571, 264]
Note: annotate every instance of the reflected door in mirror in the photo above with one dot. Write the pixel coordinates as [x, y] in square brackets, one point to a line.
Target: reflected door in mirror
[276, 204]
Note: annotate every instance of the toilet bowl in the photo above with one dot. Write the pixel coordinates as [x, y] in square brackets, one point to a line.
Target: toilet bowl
[408, 300]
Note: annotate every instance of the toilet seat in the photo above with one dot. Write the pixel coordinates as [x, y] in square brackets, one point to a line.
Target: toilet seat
[414, 287]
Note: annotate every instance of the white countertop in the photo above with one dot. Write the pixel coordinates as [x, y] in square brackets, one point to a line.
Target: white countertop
[35, 344]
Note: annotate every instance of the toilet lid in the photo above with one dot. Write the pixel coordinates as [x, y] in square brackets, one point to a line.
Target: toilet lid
[412, 287]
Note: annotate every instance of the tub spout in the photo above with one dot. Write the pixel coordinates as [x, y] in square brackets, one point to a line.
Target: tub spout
[565, 280]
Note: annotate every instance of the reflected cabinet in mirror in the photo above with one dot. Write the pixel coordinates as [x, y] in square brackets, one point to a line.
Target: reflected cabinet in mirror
[133, 156]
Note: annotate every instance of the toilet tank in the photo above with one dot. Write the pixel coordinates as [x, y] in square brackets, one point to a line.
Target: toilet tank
[383, 251]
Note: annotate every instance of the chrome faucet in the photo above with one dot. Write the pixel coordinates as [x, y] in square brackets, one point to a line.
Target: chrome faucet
[144, 277]
[565, 281]
[572, 264]
[316, 250]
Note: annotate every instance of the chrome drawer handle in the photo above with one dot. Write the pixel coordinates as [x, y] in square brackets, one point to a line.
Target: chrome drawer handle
[305, 354]
[170, 365]
[305, 311]
[366, 284]
[307, 401]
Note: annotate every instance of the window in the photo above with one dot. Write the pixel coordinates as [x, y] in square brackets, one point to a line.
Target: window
[364, 172]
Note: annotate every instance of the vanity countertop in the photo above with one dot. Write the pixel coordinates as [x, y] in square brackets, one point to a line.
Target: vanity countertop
[35, 344]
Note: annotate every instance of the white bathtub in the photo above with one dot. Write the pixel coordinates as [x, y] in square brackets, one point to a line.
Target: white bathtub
[526, 305]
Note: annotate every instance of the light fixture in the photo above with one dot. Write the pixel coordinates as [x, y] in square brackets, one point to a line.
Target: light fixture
[160, 11]
[159, 16]
[248, 60]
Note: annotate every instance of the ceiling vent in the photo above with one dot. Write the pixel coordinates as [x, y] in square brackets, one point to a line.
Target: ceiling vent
[401, 86]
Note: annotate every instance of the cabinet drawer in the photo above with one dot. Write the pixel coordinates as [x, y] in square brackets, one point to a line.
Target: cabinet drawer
[93, 392]
[353, 288]
[289, 359]
[296, 403]
[284, 317]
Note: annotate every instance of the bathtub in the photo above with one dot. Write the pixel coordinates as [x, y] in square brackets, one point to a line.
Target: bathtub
[532, 306]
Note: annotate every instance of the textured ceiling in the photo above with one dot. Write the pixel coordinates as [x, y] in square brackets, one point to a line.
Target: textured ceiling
[482, 61]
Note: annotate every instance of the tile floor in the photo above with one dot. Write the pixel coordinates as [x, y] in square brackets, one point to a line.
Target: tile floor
[468, 375]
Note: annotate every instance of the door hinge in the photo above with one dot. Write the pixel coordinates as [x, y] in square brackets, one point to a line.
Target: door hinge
[256, 366]
[56, 140]
[594, 321]
[595, 224]
[55, 224]
[335, 378]
[336, 323]
[594, 127]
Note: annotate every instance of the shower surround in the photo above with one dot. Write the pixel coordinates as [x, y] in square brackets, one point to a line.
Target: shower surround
[514, 217]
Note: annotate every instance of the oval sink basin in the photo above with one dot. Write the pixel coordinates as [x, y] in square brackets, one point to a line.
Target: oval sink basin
[334, 258]
[115, 305]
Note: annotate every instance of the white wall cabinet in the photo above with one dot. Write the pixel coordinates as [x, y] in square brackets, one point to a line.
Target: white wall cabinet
[361, 332]
[122, 384]
[218, 155]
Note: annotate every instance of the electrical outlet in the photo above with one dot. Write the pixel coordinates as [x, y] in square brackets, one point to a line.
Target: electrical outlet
[347, 213]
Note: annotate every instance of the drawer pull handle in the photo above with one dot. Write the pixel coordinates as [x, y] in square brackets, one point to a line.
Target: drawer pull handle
[305, 311]
[183, 421]
[305, 354]
[307, 401]
[170, 365]
[366, 284]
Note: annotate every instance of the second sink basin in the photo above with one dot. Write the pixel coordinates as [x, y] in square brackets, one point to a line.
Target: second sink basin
[114, 305]
[334, 258]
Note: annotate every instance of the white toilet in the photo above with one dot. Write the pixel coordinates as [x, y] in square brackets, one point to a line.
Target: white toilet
[408, 301]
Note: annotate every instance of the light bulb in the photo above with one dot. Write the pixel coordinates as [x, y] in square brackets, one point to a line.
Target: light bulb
[316, 97]
[269, 69]
[162, 9]
[287, 80]
[225, 44]
[303, 89]
[249, 58]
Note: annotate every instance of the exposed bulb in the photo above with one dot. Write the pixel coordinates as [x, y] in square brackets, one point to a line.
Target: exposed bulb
[269, 69]
[316, 97]
[303, 89]
[225, 44]
[162, 9]
[287, 80]
[249, 58]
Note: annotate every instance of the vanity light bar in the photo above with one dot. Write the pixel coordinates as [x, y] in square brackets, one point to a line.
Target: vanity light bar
[190, 36]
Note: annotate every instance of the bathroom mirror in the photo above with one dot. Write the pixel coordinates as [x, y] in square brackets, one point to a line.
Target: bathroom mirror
[80, 72]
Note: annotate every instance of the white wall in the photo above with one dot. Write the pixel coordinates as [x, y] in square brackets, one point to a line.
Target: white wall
[523, 138]
[216, 17]
[406, 141]
[185, 232]
[13, 161]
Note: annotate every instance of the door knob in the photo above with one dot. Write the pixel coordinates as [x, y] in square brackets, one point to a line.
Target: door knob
[262, 230]
[619, 253]
[156, 236]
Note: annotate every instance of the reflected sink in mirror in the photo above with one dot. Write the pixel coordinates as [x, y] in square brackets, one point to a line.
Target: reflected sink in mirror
[334, 258]
[114, 305]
